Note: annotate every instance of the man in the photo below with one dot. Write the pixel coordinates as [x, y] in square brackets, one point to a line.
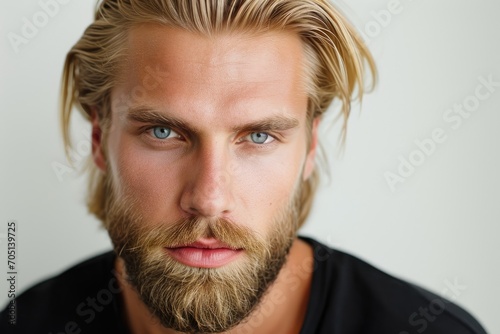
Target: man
[204, 121]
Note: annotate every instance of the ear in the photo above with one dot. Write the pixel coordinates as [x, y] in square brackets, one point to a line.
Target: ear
[311, 155]
[97, 150]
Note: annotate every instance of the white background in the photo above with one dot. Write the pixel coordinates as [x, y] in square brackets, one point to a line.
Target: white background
[438, 227]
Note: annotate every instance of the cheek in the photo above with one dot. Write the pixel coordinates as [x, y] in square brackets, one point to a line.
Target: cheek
[150, 178]
[266, 184]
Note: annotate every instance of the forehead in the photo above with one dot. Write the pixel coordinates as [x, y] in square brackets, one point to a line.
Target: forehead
[181, 69]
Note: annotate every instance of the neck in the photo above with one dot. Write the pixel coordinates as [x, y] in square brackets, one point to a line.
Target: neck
[286, 299]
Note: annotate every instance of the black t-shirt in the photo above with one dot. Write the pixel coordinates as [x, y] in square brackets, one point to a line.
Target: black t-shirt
[348, 296]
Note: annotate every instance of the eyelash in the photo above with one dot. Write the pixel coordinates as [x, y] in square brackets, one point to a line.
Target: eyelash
[148, 131]
[263, 144]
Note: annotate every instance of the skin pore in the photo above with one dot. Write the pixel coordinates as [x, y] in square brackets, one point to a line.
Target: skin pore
[213, 127]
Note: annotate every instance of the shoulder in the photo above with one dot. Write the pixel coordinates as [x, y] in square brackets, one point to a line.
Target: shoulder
[362, 298]
[67, 302]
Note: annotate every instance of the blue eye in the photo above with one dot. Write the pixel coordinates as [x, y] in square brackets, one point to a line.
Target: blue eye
[259, 137]
[161, 132]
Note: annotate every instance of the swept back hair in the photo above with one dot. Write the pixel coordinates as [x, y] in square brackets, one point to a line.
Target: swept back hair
[336, 59]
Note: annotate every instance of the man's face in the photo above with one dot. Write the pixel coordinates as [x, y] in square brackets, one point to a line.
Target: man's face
[206, 154]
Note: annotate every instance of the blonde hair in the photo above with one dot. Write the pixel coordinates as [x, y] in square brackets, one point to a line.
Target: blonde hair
[336, 59]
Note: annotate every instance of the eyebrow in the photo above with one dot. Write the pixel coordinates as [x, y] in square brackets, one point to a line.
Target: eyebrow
[147, 115]
[271, 123]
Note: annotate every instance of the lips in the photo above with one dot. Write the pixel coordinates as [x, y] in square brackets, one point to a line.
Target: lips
[204, 253]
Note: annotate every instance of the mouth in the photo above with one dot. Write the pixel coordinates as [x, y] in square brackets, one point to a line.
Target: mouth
[204, 253]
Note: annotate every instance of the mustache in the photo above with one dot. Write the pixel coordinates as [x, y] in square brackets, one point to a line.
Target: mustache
[186, 231]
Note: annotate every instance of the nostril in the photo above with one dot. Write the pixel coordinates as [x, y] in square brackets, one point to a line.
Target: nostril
[206, 203]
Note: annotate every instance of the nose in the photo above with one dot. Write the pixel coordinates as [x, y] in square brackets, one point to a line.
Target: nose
[208, 191]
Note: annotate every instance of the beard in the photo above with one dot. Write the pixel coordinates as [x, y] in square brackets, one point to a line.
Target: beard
[191, 299]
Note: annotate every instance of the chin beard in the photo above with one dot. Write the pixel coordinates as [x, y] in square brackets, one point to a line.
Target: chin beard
[199, 300]
[204, 300]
